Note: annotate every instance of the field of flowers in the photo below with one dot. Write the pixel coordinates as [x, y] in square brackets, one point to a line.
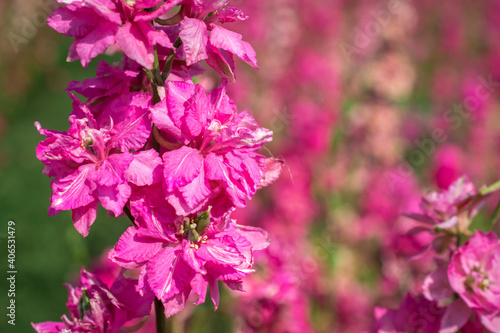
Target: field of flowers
[298, 166]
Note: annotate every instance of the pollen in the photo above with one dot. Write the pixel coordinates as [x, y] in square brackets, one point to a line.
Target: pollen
[87, 141]
[484, 284]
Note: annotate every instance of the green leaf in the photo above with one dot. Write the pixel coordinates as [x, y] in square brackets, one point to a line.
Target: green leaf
[485, 190]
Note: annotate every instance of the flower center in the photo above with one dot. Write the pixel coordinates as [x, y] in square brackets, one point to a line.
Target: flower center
[479, 278]
[194, 227]
[87, 142]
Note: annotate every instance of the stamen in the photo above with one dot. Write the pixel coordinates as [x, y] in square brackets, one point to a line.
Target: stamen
[87, 141]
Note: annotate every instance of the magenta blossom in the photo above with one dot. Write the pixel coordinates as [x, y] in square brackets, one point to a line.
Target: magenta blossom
[474, 273]
[95, 308]
[415, 314]
[98, 24]
[273, 304]
[212, 159]
[202, 39]
[110, 82]
[87, 163]
[448, 213]
[187, 255]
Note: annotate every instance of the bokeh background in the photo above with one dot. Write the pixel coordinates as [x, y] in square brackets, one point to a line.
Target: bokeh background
[372, 103]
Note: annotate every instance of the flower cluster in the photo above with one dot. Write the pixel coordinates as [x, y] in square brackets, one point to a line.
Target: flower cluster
[448, 214]
[362, 99]
[150, 144]
[94, 307]
[463, 292]
[139, 27]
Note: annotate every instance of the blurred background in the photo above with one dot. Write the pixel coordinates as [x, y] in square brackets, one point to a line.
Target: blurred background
[372, 103]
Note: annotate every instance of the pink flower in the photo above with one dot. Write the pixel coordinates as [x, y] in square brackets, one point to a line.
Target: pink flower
[448, 165]
[436, 286]
[203, 40]
[474, 273]
[90, 161]
[186, 255]
[415, 314]
[95, 308]
[98, 24]
[273, 304]
[446, 204]
[110, 82]
[216, 163]
[448, 213]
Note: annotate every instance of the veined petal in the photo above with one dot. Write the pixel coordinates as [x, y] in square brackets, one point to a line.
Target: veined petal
[181, 167]
[75, 23]
[194, 40]
[132, 251]
[48, 326]
[231, 42]
[197, 191]
[221, 251]
[94, 43]
[176, 303]
[199, 286]
[145, 168]
[84, 217]
[168, 275]
[112, 170]
[222, 61]
[258, 237]
[456, 315]
[274, 166]
[74, 190]
[133, 131]
[113, 198]
[134, 43]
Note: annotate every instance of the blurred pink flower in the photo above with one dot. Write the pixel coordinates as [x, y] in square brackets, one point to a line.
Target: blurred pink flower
[95, 308]
[448, 165]
[474, 273]
[415, 314]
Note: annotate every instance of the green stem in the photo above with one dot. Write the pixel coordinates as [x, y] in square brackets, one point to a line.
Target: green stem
[127, 212]
[160, 316]
[494, 217]
[154, 86]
